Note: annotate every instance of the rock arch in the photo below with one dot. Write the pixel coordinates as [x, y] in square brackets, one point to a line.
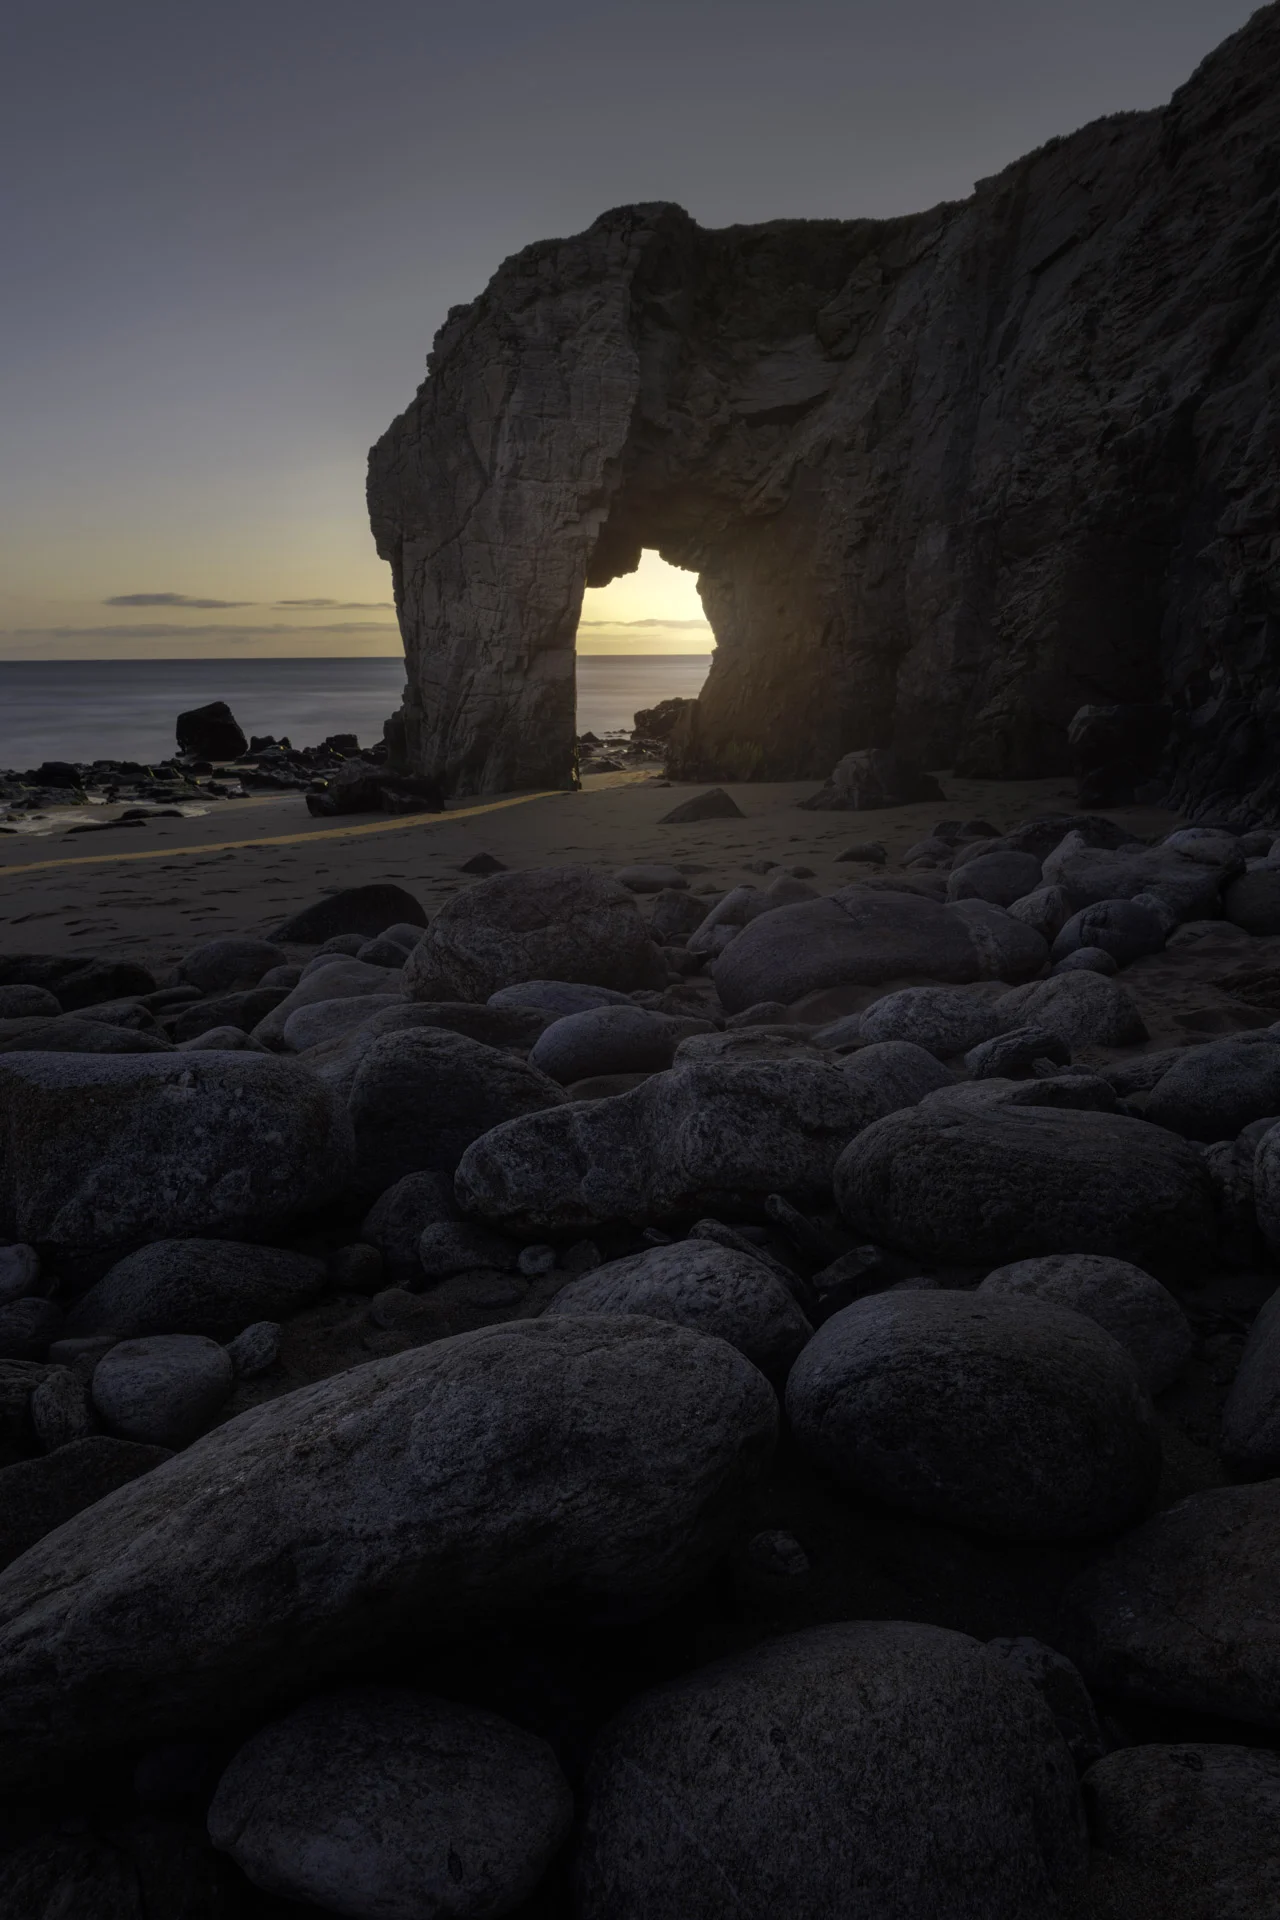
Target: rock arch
[944, 479]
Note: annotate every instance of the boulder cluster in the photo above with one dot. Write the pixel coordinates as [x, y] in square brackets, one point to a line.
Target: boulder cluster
[621, 1403]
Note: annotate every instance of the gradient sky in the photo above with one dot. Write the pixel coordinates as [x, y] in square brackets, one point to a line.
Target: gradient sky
[230, 231]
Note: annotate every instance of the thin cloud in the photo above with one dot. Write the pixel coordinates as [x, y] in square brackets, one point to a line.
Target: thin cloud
[697, 626]
[339, 606]
[169, 600]
[166, 630]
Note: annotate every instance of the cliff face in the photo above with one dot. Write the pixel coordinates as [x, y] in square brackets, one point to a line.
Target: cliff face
[944, 479]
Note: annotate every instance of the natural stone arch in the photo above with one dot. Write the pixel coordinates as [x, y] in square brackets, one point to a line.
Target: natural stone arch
[944, 479]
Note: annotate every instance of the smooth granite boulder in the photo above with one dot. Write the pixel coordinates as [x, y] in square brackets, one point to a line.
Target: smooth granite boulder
[396, 1221]
[419, 1099]
[1000, 878]
[214, 1287]
[708, 1136]
[102, 1154]
[1184, 1612]
[38, 1495]
[220, 966]
[876, 1768]
[381, 1801]
[1008, 1182]
[695, 1283]
[1184, 1832]
[340, 978]
[1215, 1091]
[1190, 888]
[862, 936]
[417, 1493]
[609, 1040]
[997, 1413]
[161, 1391]
[1252, 901]
[367, 910]
[943, 1019]
[1251, 1416]
[1125, 929]
[548, 923]
[1083, 1008]
[1127, 1303]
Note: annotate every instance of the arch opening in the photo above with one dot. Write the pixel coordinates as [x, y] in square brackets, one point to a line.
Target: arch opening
[643, 638]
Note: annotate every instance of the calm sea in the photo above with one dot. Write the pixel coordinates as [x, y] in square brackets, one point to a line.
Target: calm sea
[125, 709]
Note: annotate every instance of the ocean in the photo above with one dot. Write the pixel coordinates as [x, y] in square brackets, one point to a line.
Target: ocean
[125, 709]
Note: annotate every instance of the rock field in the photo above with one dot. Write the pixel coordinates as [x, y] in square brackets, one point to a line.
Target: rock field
[612, 1401]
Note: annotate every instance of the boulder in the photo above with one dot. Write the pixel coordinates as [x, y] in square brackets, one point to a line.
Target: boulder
[395, 1223]
[1087, 960]
[1122, 928]
[1012, 1182]
[327, 1020]
[1184, 1832]
[1251, 1417]
[27, 1327]
[449, 1247]
[219, 966]
[341, 978]
[941, 1019]
[870, 1768]
[74, 981]
[1190, 888]
[872, 778]
[418, 1493]
[715, 804]
[863, 937]
[557, 997]
[223, 1040]
[997, 1413]
[1266, 1187]
[1084, 1009]
[548, 923]
[707, 1137]
[695, 1283]
[76, 1034]
[161, 1391]
[674, 916]
[255, 1349]
[740, 906]
[380, 1801]
[19, 1273]
[28, 1003]
[243, 1009]
[211, 732]
[367, 910]
[101, 1155]
[38, 1495]
[1212, 1092]
[418, 1100]
[1014, 1053]
[1000, 878]
[1252, 901]
[610, 1040]
[1046, 911]
[1061, 1686]
[1138, 1313]
[1184, 1612]
[656, 877]
[197, 1286]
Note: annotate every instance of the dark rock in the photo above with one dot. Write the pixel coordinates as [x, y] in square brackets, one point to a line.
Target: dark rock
[448, 1247]
[38, 1495]
[875, 1767]
[434, 1489]
[694, 1283]
[218, 966]
[419, 1099]
[338, 979]
[1138, 1313]
[1122, 928]
[19, 1273]
[1184, 1832]
[483, 863]
[60, 1411]
[441, 1808]
[707, 1137]
[161, 1391]
[359, 1268]
[1212, 1092]
[1251, 1416]
[870, 779]
[102, 1155]
[1000, 878]
[548, 923]
[558, 997]
[870, 852]
[383, 952]
[653, 878]
[714, 805]
[243, 1010]
[674, 916]
[211, 732]
[862, 937]
[1184, 1612]
[255, 1349]
[397, 1219]
[1116, 749]
[1046, 910]
[76, 983]
[1087, 960]
[1014, 1182]
[1082, 1008]
[197, 1286]
[657, 722]
[25, 1003]
[364, 787]
[1061, 1686]
[1011, 1054]
[367, 910]
[1006, 1415]
[1252, 901]
[1190, 889]
[27, 1327]
[941, 1019]
[609, 1040]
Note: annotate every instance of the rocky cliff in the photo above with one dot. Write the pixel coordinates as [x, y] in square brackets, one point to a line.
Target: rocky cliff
[944, 479]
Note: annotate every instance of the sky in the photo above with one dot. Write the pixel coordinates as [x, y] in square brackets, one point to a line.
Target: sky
[230, 231]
